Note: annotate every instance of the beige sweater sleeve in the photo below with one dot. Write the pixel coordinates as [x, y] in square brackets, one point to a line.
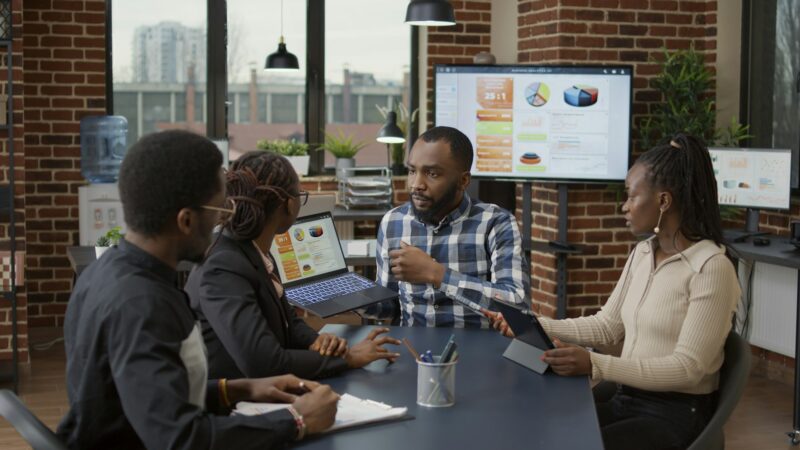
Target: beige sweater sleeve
[603, 328]
[714, 293]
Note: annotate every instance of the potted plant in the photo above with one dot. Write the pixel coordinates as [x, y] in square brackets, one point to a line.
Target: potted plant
[105, 241]
[684, 84]
[343, 148]
[404, 122]
[295, 152]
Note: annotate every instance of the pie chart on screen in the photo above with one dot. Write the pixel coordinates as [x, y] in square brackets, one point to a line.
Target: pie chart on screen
[537, 94]
[581, 95]
[315, 231]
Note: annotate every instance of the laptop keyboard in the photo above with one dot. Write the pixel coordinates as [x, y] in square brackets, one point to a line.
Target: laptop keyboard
[324, 290]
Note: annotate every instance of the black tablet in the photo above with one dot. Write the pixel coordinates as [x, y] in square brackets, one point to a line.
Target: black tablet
[526, 327]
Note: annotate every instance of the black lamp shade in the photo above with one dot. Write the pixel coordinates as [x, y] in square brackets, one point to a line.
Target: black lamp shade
[281, 60]
[390, 133]
[431, 13]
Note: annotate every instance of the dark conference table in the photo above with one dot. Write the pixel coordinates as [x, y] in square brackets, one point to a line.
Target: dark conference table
[499, 404]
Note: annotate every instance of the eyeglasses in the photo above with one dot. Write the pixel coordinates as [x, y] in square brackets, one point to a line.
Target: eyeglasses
[303, 197]
[229, 207]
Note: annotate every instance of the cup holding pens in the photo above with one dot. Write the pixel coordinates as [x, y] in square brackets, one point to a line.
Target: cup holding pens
[436, 383]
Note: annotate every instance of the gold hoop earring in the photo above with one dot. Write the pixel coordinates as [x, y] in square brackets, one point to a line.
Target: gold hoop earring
[658, 225]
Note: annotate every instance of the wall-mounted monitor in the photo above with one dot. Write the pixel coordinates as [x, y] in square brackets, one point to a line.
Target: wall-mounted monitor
[540, 122]
[753, 177]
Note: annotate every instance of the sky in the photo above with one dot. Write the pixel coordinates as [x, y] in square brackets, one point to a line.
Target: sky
[379, 45]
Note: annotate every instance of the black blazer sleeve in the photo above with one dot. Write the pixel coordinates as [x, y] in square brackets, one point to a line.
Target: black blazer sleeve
[230, 294]
[300, 334]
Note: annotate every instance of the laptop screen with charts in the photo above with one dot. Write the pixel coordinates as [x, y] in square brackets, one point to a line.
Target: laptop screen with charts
[526, 327]
[314, 272]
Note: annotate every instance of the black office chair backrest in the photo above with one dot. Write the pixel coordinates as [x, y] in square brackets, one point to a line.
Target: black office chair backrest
[27, 425]
[732, 379]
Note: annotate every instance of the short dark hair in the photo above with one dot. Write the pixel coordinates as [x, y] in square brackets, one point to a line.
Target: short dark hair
[683, 167]
[259, 182]
[165, 172]
[460, 146]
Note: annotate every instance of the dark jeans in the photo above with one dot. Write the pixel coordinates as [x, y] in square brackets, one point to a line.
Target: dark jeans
[642, 420]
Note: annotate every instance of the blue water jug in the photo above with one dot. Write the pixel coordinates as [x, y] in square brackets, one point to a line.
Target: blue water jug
[103, 146]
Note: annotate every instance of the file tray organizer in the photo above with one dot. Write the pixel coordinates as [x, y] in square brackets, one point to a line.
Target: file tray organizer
[366, 187]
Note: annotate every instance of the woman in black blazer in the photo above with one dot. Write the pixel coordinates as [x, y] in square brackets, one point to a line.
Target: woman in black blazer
[250, 330]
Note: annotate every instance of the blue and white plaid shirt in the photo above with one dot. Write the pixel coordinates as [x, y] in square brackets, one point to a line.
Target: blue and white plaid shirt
[480, 246]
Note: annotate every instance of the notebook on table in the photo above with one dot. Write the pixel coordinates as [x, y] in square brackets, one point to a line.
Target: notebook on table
[351, 411]
[314, 273]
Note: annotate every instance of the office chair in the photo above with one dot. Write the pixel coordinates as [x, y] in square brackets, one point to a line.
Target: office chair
[35, 433]
[732, 379]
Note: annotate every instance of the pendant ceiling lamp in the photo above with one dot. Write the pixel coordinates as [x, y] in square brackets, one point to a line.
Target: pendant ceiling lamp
[430, 13]
[282, 60]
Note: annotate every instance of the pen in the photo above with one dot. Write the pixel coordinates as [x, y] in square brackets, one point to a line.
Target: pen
[426, 357]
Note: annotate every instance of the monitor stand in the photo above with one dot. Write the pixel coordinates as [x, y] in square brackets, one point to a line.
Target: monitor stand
[750, 227]
[751, 221]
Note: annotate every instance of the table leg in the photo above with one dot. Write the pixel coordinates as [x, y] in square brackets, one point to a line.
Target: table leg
[794, 435]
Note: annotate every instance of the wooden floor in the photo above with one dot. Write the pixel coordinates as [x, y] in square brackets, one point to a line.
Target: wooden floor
[759, 422]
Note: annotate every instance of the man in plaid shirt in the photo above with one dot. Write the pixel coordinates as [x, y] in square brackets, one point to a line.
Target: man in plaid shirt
[445, 253]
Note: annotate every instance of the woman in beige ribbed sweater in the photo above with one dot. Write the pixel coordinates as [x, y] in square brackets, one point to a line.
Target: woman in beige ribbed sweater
[672, 307]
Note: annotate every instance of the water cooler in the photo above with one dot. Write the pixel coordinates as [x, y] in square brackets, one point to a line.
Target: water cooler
[103, 146]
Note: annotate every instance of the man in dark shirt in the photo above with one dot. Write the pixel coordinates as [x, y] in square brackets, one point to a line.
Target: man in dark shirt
[136, 364]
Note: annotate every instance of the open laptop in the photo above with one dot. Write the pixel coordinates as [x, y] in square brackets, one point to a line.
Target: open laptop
[530, 340]
[313, 271]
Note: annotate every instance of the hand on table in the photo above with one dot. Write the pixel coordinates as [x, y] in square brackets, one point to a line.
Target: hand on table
[371, 349]
[329, 345]
[280, 389]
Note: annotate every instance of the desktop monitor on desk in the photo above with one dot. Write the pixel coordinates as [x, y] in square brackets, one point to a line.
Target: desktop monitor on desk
[753, 178]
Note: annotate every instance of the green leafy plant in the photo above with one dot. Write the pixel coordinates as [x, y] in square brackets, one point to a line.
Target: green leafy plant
[341, 145]
[111, 237]
[404, 122]
[283, 147]
[686, 105]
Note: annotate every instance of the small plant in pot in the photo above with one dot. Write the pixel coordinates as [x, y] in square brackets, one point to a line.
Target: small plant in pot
[295, 152]
[343, 148]
[105, 241]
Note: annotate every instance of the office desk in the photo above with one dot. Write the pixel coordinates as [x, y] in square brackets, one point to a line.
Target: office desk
[780, 252]
[80, 257]
[499, 404]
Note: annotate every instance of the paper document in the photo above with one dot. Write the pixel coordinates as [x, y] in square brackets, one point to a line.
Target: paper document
[351, 411]
[358, 248]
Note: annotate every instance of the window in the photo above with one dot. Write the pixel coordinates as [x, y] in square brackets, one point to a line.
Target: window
[159, 65]
[161, 55]
[771, 97]
[254, 28]
[366, 64]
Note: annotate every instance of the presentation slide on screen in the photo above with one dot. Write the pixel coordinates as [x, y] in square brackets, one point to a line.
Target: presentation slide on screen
[759, 179]
[308, 249]
[526, 121]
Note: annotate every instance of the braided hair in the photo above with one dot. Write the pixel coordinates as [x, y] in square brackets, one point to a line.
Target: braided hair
[258, 183]
[683, 167]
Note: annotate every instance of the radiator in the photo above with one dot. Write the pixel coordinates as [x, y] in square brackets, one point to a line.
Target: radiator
[774, 308]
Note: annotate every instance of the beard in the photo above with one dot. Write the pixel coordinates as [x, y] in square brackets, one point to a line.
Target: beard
[436, 210]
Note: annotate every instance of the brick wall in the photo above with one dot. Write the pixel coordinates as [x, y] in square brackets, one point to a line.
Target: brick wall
[64, 67]
[458, 44]
[19, 194]
[601, 32]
